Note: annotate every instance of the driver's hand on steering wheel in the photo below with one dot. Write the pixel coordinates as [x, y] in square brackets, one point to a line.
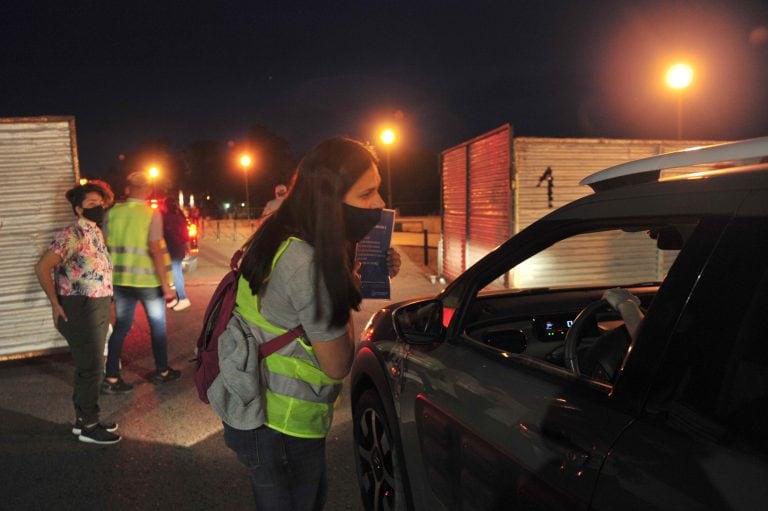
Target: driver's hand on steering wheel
[617, 295]
[628, 305]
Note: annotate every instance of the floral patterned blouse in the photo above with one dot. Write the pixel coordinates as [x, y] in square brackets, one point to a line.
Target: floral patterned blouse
[86, 268]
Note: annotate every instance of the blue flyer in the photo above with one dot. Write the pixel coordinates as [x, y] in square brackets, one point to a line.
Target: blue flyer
[371, 252]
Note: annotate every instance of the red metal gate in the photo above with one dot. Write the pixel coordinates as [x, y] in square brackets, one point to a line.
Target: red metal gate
[454, 182]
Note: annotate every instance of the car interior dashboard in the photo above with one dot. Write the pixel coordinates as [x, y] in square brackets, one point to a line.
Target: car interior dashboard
[535, 324]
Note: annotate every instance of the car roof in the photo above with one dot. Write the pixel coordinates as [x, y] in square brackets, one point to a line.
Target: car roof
[717, 158]
[716, 192]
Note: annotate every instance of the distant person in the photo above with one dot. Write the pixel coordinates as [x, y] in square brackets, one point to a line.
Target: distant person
[177, 239]
[194, 215]
[298, 269]
[76, 274]
[271, 207]
[134, 233]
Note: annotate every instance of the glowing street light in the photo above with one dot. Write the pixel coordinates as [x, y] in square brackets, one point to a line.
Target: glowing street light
[245, 162]
[679, 77]
[388, 138]
[153, 173]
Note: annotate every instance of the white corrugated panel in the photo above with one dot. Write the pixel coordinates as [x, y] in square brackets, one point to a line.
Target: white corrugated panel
[604, 258]
[571, 160]
[38, 164]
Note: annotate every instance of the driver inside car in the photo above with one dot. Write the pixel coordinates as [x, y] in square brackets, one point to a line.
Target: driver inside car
[603, 359]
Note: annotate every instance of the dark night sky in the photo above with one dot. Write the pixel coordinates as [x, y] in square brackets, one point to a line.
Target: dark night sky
[136, 71]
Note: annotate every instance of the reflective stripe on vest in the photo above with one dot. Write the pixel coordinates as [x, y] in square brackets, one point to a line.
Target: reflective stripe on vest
[299, 395]
[127, 235]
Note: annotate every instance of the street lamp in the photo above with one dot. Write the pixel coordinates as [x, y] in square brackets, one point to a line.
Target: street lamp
[153, 173]
[388, 138]
[679, 77]
[245, 162]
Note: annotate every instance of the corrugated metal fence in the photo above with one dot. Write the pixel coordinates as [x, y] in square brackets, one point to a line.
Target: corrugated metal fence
[495, 185]
[38, 164]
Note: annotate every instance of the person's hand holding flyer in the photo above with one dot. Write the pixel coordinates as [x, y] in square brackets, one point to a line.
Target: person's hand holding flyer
[371, 253]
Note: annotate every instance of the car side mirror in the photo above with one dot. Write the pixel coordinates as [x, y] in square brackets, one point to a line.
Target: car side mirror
[420, 322]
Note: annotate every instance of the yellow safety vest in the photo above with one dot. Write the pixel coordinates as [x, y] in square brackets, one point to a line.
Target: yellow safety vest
[299, 395]
[127, 239]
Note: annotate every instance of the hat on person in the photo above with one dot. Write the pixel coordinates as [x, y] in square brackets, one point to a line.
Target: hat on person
[281, 190]
[138, 179]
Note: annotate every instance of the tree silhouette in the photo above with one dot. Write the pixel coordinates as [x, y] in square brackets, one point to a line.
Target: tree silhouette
[273, 163]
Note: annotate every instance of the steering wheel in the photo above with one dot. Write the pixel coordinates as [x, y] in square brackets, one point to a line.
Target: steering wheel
[572, 339]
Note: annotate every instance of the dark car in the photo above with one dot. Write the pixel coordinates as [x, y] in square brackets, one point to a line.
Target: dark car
[518, 387]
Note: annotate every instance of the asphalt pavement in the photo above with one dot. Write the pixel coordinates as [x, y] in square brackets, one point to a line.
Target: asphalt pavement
[172, 454]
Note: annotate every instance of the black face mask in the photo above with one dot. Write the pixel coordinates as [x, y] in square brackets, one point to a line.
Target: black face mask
[94, 214]
[359, 221]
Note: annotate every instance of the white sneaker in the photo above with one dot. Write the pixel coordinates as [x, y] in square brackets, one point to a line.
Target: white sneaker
[183, 304]
[172, 303]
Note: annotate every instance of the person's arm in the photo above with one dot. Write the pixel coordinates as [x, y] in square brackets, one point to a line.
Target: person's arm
[157, 250]
[335, 356]
[45, 265]
[628, 305]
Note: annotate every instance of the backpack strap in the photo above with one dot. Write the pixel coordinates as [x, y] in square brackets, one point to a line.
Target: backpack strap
[235, 261]
[278, 342]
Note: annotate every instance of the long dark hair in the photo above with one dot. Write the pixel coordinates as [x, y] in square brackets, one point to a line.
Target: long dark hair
[312, 211]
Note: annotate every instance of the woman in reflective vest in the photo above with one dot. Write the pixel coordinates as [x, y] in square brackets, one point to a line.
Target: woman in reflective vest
[299, 268]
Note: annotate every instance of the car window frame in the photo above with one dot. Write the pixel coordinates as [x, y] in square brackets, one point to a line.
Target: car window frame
[532, 240]
[668, 374]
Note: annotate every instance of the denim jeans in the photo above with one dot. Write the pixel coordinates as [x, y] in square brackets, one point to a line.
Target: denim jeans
[85, 330]
[125, 306]
[178, 278]
[287, 473]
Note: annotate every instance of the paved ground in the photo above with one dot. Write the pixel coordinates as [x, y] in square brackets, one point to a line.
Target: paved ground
[172, 454]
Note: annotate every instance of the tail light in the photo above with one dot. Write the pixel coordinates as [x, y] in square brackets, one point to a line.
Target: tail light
[192, 230]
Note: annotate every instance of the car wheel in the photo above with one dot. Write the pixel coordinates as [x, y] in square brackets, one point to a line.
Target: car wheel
[377, 458]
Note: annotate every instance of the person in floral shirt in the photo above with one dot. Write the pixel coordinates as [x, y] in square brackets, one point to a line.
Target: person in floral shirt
[76, 274]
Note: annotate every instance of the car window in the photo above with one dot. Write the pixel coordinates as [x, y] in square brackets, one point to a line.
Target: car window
[528, 309]
[607, 258]
[714, 380]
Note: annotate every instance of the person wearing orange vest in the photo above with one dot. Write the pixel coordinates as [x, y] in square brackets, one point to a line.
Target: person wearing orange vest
[141, 273]
[299, 269]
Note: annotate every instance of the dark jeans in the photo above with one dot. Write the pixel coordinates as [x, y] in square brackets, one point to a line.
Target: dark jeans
[287, 473]
[125, 307]
[85, 333]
